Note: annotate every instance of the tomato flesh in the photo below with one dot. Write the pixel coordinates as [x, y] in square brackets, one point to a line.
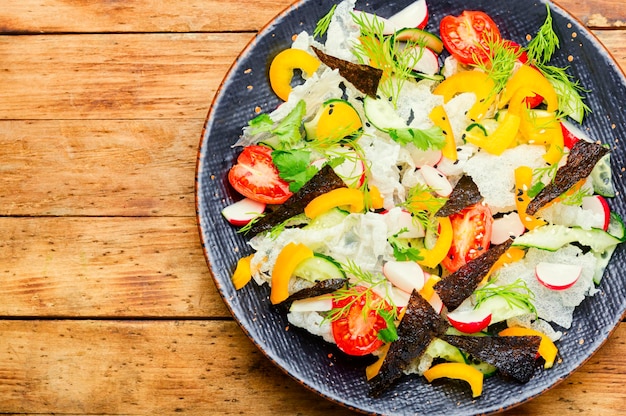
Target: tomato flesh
[356, 332]
[468, 35]
[471, 229]
[255, 176]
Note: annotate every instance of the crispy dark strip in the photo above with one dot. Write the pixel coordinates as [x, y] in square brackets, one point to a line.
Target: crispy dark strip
[464, 194]
[580, 162]
[513, 356]
[458, 286]
[419, 325]
[365, 78]
[324, 181]
[320, 288]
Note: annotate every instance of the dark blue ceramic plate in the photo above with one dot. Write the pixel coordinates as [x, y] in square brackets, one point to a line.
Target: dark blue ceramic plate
[307, 358]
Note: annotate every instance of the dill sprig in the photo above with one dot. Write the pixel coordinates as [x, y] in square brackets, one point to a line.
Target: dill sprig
[322, 25]
[501, 60]
[516, 294]
[541, 48]
[569, 92]
[422, 203]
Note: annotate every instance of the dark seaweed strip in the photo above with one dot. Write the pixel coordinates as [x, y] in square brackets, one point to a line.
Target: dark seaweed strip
[514, 356]
[320, 288]
[324, 181]
[464, 194]
[458, 286]
[365, 78]
[419, 325]
[580, 162]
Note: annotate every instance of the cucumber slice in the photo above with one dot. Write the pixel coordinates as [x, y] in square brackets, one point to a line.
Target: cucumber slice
[616, 226]
[329, 219]
[553, 237]
[319, 267]
[618, 230]
[380, 113]
[487, 369]
[601, 177]
[421, 37]
[438, 348]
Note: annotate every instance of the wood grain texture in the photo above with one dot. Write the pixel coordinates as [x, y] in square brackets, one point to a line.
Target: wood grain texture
[208, 367]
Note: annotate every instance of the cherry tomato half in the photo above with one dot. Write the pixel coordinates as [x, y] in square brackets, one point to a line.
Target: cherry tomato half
[471, 230]
[255, 176]
[356, 332]
[468, 35]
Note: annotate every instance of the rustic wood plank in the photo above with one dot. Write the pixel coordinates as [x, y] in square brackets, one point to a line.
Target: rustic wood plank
[99, 167]
[103, 267]
[114, 76]
[162, 367]
[58, 16]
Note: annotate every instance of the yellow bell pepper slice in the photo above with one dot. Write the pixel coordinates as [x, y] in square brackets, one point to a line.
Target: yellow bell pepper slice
[288, 259]
[376, 200]
[283, 65]
[434, 256]
[243, 273]
[439, 116]
[374, 368]
[498, 141]
[428, 289]
[338, 119]
[533, 80]
[458, 371]
[352, 198]
[477, 82]
[523, 182]
[547, 349]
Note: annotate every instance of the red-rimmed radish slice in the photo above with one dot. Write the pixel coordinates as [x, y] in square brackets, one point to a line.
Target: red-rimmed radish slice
[405, 275]
[557, 276]
[428, 157]
[436, 302]
[320, 303]
[572, 133]
[243, 211]
[389, 28]
[352, 169]
[398, 219]
[426, 61]
[505, 227]
[470, 321]
[598, 205]
[436, 180]
[414, 15]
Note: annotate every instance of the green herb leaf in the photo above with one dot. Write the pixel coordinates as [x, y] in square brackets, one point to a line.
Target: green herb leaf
[402, 250]
[324, 22]
[541, 48]
[294, 166]
[424, 139]
[289, 129]
[516, 294]
[390, 333]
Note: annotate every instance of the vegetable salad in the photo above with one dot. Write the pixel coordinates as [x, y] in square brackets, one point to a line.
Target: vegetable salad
[465, 185]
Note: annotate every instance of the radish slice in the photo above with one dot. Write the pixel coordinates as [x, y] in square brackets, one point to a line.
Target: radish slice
[243, 211]
[389, 28]
[598, 205]
[557, 276]
[421, 157]
[470, 320]
[505, 227]
[572, 133]
[405, 275]
[352, 169]
[427, 61]
[398, 219]
[436, 302]
[436, 180]
[320, 303]
[414, 15]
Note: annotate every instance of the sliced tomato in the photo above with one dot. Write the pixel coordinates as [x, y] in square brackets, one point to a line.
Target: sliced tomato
[467, 36]
[356, 331]
[255, 176]
[471, 230]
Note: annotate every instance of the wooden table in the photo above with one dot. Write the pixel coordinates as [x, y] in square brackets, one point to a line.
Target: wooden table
[107, 305]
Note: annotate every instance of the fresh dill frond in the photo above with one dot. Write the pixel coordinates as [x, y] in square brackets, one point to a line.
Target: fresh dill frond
[541, 48]
[501, 60]
[322, 25]
[576, 198]
[569, 92]
[421, 202]
[248, 226]
[516, 294]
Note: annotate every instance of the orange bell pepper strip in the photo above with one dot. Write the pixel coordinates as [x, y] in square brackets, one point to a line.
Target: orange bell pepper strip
[458, 371]
[477, 82]
[353, 198]
[374, 368]
[439, 116]
[501, 139]
[288, 259]
[512, 255]
[523, 182]
[533, 80]
[243, 273]
[547, 349]
[434, 256]
[375, 200]
[283, 65]
[428, 289]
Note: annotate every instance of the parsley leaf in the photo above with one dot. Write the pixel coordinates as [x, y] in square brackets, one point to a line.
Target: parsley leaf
[283, 134]
[423, 139]
[402, 251]
[294, 166]
[390, 333]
